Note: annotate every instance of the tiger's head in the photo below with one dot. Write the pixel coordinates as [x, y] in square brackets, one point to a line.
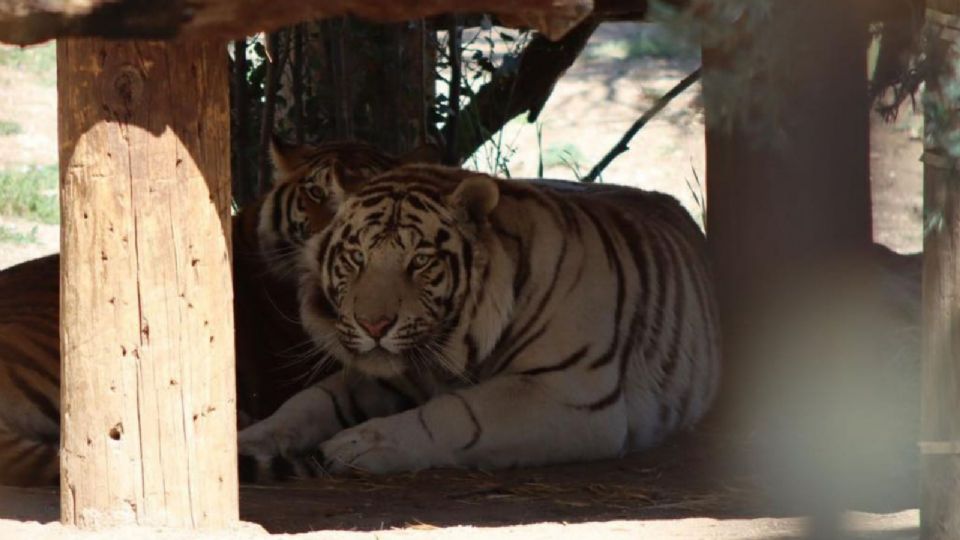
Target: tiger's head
[396, 279]
[299, 204]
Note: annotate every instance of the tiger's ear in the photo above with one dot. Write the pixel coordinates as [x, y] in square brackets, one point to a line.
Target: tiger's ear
[286, 158]
[475, 198]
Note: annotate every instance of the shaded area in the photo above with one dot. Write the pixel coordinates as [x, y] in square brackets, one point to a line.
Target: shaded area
[677, 480]
[703, 474]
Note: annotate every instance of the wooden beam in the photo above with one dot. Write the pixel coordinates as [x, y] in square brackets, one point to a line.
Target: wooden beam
[940, 402]
[148, 398]
[31, 21]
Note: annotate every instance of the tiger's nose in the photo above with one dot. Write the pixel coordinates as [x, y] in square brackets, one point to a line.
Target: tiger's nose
[378, 327]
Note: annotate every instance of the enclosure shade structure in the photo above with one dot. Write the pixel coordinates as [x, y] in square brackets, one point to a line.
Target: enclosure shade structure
[787, 151]
[148, 421]
[940, 403]
[32, 22]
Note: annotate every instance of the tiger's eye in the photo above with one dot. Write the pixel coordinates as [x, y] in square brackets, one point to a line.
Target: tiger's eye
[421, 260]
[356, 257]
[316, 193]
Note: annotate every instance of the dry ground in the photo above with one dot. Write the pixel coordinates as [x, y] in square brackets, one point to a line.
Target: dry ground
[691, 488]
[899, 526]
[696, 486]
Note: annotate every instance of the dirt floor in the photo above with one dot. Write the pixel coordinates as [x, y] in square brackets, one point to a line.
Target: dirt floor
[697, 486]
[900, 526]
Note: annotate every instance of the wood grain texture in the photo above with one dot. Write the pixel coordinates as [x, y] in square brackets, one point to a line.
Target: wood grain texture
[940, 401]
[148, 399]
[31, 21]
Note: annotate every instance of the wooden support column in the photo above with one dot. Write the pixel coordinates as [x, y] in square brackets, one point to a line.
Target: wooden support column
[787, 148]
[940, 402]
[148, 397]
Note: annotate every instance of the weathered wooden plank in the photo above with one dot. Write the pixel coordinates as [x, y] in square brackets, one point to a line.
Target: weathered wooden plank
[32, 21]
[148, 397]
[940, 401]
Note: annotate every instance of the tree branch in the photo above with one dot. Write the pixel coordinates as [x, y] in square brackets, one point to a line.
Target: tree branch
[622, 144]
[512, 92]
[456, 77]
[297, 53]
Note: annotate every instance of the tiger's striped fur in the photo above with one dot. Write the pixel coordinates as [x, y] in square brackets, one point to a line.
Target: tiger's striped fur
[30, 372]
[491, 323]
[267, 333]
[297, 206]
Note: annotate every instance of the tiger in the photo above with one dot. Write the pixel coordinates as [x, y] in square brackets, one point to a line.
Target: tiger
[296, 206]
[268, 252]
[30, 372]
[265, 309]
[489, 323]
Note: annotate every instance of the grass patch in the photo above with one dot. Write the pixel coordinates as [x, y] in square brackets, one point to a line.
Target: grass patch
[562, 154]
[565, 155]
[31, 193]
[657, 42]
[8, 128]
[9, 235]
[649, 41]
[39, 60]
[651, 93]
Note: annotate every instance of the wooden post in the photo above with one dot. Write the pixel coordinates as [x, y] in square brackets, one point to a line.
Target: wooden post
[940, 402]
[792, 189]
[148, 397]
[788, 191]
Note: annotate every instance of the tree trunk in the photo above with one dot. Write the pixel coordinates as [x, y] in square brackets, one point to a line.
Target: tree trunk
[276, 59]
[369, 82]
[148, 396]
[940, 403]
[386, 94]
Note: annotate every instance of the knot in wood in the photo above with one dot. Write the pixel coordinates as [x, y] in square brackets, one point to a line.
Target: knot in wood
[126, 86]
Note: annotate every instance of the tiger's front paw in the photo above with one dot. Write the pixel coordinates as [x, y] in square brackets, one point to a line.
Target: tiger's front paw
[263, 458]
[267, 469]
[371, 448]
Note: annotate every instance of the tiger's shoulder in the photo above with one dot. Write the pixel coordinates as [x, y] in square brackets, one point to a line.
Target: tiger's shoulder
[553, 195]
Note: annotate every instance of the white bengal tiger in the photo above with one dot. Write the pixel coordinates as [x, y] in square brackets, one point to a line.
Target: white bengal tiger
[492, 323]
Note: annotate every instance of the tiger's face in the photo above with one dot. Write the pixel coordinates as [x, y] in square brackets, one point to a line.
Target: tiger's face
[394, 272]
[299, 205]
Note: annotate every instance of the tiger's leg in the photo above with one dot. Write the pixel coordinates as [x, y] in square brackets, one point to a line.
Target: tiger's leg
[511, 420]
[284, 444]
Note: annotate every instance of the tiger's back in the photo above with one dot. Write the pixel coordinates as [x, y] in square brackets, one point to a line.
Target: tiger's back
[30, 372]
[643, 258]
